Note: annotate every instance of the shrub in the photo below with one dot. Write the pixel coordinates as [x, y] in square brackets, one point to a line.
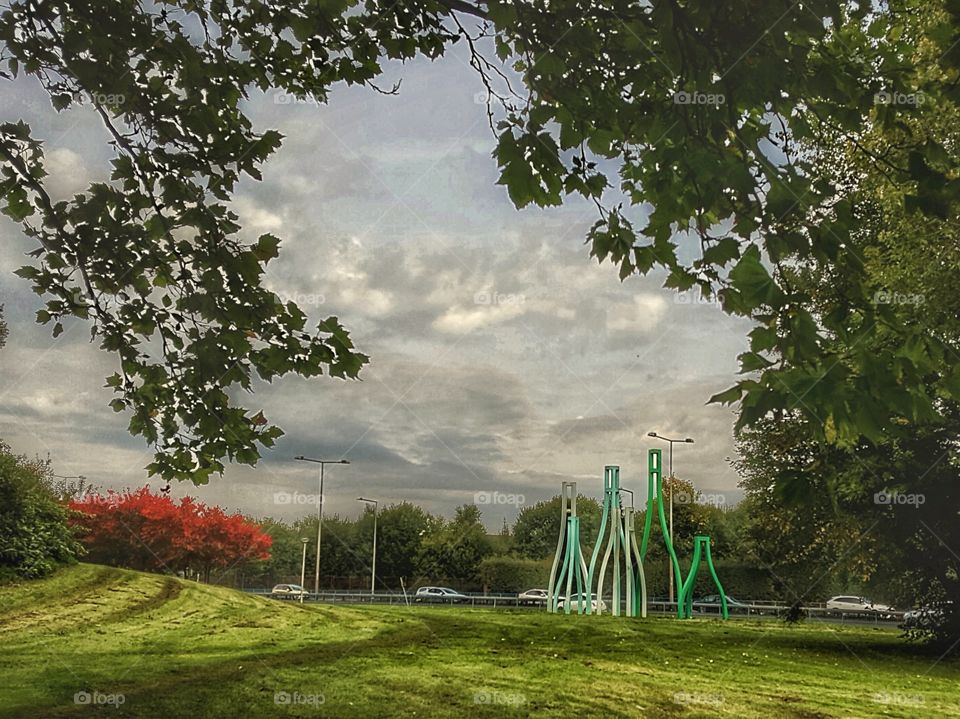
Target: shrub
[34, 535]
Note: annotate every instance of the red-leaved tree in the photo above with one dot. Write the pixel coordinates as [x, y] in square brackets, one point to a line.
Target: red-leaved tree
[152, 532]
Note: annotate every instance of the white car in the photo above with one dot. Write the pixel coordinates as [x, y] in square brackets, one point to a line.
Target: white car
[288, 591]
[443, 595]
[849, 603]
[595, 604]
[925, 617]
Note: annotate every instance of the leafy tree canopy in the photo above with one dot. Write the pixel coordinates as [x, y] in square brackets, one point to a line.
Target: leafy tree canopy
[690, 124]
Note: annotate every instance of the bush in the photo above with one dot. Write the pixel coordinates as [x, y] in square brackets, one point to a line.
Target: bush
[34, 535]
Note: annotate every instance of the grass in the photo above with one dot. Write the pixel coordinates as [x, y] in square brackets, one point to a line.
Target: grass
[170, 649]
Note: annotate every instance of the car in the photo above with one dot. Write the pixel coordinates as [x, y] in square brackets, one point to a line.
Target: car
[288, 591]
[533, 597]
[858, 605]
[925, 617]
[442, 595]
[594, 605]
[711, 603]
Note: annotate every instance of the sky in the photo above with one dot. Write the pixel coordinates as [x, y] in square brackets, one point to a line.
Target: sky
[504, 360]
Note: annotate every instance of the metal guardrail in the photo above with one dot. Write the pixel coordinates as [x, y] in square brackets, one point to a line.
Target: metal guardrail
[753, 610]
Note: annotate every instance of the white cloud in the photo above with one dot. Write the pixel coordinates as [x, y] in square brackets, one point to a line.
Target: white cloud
[66, 173]
[460, 320]
[641, 315]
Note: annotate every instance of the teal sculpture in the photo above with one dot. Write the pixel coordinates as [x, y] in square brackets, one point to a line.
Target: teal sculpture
[636, 580]
[568, 558]
[701, 546]
[618, 532]
[621, 546]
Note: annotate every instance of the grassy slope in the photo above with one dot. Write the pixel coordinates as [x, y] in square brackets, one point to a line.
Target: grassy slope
[177, 649]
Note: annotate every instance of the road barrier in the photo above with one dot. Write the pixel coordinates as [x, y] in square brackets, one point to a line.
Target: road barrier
[753, 610]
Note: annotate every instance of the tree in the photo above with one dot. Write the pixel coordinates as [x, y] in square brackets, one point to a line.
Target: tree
[802, 528]
[340, 552]
[705, 114]
[537, 527]
[454, 550]
[285, 555]
[34, 534]
[151, 532]
[400, 531]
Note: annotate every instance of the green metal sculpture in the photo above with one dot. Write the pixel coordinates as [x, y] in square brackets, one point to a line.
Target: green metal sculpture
[617, 526]
[621, 545]
[655, 497]
[568, 558]
[701, 545]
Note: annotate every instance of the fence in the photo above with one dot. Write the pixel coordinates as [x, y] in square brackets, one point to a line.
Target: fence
[753, 610]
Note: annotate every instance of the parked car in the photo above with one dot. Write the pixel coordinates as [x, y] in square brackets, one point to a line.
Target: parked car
[534, 597]
[288, 591]
[442, 595]
[924, 617]
[857, 605]
[711, 603]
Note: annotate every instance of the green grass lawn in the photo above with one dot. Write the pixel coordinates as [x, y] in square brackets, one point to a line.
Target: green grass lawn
[168, 649]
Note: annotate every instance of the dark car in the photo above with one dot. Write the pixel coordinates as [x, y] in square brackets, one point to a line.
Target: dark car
[711, 603]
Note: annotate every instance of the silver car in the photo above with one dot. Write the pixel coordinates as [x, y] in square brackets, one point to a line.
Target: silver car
[288, 591]
[441, 595]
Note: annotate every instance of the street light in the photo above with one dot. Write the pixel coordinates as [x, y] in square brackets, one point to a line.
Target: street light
[373, 569]
[322, 463]
[303, 566]
[688, 440]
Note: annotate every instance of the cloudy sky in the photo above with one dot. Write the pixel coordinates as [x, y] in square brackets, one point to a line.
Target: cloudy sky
[503, 359]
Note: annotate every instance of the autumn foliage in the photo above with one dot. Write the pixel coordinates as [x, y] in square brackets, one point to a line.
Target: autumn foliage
[152, 532]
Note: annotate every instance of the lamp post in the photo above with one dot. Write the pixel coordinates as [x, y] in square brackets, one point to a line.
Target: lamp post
[303, 566]
[373, 566]
[322, 463]
[688, 440]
